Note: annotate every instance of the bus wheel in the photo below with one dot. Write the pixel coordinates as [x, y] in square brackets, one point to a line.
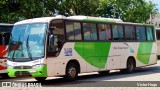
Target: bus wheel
[71, 72]
[40, 78]
[130, 66]
[103, 73]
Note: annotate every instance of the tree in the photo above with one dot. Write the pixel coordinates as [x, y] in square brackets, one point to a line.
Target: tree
[12, 10]
[76, 7]
[137, 11]
[127, 10]
[7, 12]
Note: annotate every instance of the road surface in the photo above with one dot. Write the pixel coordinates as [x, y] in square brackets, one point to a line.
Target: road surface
[150, 74]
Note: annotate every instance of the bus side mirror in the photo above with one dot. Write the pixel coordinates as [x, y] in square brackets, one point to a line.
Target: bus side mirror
[51, 40]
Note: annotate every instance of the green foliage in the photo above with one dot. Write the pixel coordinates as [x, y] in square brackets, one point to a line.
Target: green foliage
[128, 10]
[13, 10]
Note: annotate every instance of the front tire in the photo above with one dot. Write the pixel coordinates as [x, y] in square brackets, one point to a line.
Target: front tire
[71, 72]
[40, 79]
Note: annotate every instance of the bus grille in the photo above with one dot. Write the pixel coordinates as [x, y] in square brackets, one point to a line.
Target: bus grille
[22, 67]
[22, 73]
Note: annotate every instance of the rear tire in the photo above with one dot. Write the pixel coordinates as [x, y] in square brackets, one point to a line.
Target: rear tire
[71, 72]
[130, 66]
[40, 79]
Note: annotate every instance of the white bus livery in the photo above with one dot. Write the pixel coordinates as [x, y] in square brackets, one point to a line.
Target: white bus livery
[67, 46]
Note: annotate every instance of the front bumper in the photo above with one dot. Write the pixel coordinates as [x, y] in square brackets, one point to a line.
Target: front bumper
[38, 72]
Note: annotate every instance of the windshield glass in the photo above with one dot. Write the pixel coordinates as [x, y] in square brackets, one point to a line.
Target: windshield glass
[27, 41]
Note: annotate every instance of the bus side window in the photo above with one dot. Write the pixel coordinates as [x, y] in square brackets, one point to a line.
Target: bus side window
[53, 43]
[104, 31]
[129, 32]
[89, 30]
[140, 32]
[118, 32]
[56, 38]
[73, 30]
[149, 33]
[6, 37]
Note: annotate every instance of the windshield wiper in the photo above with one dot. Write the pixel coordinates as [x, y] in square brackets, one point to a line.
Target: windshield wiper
[12, 43]
[28, 47]
[13, 55]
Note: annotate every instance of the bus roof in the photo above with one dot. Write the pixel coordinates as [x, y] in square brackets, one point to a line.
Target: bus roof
[96, 19]
[80, 18]
[39, 20]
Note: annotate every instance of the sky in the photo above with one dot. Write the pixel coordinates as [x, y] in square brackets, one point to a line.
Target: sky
[156, 2]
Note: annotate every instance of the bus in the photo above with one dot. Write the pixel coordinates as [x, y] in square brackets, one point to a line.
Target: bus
[5, 30]
[158, 41]
[66, 46]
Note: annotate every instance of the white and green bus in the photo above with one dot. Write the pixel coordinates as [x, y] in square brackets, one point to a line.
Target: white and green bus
[66, 46]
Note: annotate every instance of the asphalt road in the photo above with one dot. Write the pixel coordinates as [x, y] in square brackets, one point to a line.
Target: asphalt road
[149, 74]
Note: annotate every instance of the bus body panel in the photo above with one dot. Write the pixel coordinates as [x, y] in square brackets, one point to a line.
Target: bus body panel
[5, 30]
[116, 59]
[3, 61]
[14, 68]
[3, 65]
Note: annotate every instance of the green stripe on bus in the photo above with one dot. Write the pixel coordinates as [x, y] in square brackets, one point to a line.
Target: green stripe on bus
[95, 53]
[148, 25]
[144, 52]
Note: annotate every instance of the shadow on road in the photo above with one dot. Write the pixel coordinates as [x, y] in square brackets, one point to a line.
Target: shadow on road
[94, 78]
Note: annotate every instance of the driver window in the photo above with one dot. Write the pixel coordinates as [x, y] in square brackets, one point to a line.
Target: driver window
[4, 38]
[55, 38]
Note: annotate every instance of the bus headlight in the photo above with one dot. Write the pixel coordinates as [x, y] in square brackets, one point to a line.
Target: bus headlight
[37, 66]
[11, 67]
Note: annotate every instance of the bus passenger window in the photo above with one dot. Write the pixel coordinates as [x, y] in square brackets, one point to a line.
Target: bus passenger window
[118, 32]
[73, 30]
[90, 31]
[149, 33]
[140, 31]
[129, 32]
[104, 32]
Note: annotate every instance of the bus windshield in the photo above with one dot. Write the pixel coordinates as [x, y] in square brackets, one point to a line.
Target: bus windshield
[27, 41]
